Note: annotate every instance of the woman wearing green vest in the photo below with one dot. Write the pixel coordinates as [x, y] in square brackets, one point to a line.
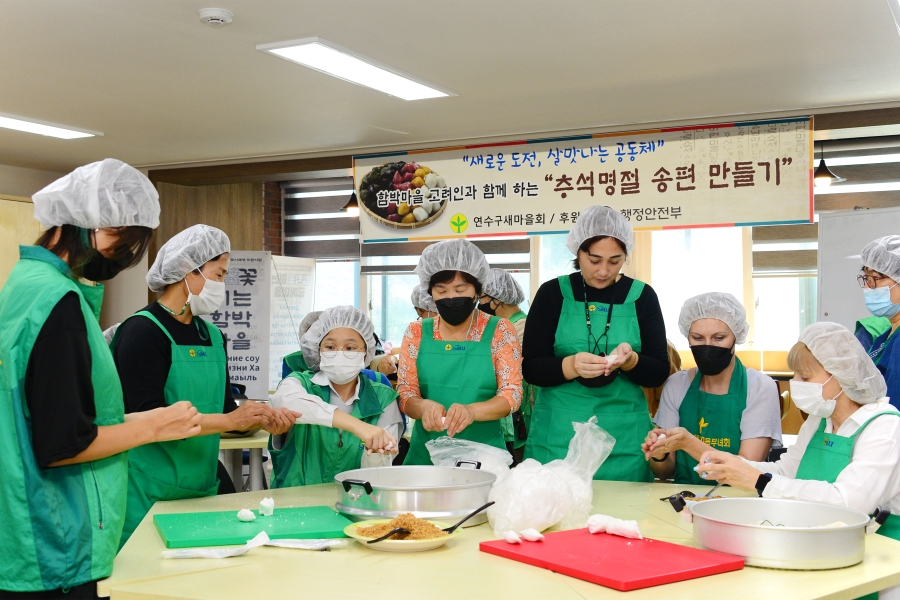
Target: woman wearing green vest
[848, 451]
[461, 372]
[165, 353]
[594, 338]
[721, 404]
[348, 421]
[501, 297]
[63, 429]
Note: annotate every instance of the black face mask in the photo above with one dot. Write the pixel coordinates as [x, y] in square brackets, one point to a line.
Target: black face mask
[100, 268]
[455, 310]
[486, 308]
[712, 360]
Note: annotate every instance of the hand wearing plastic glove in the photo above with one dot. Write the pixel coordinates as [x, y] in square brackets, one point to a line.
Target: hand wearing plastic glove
[728, 469]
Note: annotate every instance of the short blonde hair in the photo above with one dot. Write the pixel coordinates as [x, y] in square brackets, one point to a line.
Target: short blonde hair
[801, 359]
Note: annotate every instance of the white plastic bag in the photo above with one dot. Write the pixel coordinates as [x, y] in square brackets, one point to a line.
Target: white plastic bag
[445, 451]
[261, 539]
[536, 496]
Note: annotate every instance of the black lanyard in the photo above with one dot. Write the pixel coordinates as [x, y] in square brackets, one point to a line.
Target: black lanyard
[593, 342]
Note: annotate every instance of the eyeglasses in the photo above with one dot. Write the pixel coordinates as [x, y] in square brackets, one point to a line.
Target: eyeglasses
[347, 352]
[868, 281]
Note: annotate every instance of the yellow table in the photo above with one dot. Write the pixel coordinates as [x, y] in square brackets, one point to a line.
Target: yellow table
[459, 570]
[235, 446]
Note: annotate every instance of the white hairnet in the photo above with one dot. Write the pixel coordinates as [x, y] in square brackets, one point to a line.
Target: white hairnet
[109, 334]
[422, 299]
[502, 286]
[186, 251]
[883, 255]
[108, 193]
[308, 320]
[333, 318]
[600, 220]
[715, 305]
[452, 255]
[841, 354]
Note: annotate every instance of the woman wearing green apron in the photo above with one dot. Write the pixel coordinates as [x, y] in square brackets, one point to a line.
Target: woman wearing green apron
[594, 338]
[165, 353]
[881, 286]
[63, 429]
[848, 451]
[720, 404]
[460, 373]
[348, 420]
[501, 297]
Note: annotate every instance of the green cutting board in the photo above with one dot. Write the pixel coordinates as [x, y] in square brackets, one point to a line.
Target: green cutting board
[194, 530]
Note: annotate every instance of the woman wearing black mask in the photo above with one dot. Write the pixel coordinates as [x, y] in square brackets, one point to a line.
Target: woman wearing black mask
[460, 372]
[725, 406]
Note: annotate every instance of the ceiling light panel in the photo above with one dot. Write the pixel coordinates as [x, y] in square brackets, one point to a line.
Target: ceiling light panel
[43, 128]
[345, 64]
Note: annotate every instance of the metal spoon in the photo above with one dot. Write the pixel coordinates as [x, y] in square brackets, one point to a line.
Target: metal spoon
[388, 534]
[706, 495]
[455, 527]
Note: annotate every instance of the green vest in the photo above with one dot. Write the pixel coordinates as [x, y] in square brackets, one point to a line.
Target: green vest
[714, 420]
[509, 434]
[314, 454]
[61, 525]
[296, 362]
[620, 407]
[180, 469]
[876, 326]
[452, 372]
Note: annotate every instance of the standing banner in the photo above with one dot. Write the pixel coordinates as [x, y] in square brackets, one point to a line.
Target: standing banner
[731, 174]
[244, 320]
[293, 293]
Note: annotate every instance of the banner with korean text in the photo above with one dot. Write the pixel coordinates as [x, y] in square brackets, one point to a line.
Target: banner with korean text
[732, 174]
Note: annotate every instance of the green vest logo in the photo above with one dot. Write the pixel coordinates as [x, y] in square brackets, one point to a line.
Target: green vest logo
[703, 425]
[459, 223]
[455, 348]
[192, 352]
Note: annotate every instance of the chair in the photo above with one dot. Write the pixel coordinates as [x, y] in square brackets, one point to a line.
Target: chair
[785, 402]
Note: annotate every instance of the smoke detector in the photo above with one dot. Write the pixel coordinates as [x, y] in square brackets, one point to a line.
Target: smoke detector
[216, 17]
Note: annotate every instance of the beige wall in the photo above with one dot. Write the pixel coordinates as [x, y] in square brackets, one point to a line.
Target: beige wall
[18, 181]
[17, 226]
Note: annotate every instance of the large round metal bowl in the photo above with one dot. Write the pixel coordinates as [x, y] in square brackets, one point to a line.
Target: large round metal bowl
[797, 539]
[444, 493]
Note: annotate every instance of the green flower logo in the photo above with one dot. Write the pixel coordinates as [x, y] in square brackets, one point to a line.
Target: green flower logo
[459, 223]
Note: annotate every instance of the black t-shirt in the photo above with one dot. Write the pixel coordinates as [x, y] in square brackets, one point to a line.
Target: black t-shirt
[58, 388]
[541, 367]
[143, 356]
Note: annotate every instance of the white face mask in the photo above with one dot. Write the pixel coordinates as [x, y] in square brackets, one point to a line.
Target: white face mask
[209, 299]
[342, 368]
[808, 398]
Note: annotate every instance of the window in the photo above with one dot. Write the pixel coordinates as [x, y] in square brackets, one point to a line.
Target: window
[777, 324]
[337, 283]
[556, 259]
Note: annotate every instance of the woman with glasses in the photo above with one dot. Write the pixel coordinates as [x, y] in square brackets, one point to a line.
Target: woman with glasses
[460, 372]
[719, 405]
[348, 421]
[879, 280]
[593, 339]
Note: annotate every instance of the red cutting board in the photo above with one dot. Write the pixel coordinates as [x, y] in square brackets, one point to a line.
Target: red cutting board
[615, 562]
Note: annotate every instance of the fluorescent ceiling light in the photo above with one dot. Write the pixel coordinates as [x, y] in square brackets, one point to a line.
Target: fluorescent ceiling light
[877, 159]
[43, 128]
[319, 194]
[342, 63]
[889, 186]
[322, 238]
[331, 215]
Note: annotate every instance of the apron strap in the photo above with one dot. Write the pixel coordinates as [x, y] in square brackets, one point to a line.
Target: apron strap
[428, 329]
[866, 424]
[637, 288]
[144, 313]
[565, 286]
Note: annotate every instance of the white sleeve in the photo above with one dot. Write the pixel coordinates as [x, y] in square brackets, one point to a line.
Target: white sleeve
[762, 415]
[292, 395]
[674, 390]
[789, 462]
[869, 481]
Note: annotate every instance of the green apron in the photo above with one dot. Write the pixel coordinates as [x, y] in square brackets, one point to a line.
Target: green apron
[61, 525]
[296, 362]
[456, 373]
[712, 419]
[876, 326]
[826, 455]
[180, 469]
[314, 454]
[509, 433]
[620, 407]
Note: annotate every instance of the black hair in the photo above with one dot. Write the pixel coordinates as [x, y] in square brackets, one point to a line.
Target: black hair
[213, 259]
[448, 276]
[74, 242]
[586, 247]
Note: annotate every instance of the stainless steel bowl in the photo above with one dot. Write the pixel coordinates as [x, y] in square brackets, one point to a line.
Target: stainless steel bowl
[445, 493]
[795, 541]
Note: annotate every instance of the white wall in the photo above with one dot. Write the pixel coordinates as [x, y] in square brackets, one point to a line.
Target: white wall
[125, 295]
[19, 181]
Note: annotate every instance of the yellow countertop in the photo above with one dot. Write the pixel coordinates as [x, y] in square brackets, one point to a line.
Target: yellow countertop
[458, 570]
[260, 439]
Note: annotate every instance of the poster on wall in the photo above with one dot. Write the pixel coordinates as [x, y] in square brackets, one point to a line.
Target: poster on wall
[293, 291]
[731, 174]
[244, 320]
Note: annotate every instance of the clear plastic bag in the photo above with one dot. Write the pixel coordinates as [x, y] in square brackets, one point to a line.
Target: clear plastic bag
[445, 451]
[536, 496]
